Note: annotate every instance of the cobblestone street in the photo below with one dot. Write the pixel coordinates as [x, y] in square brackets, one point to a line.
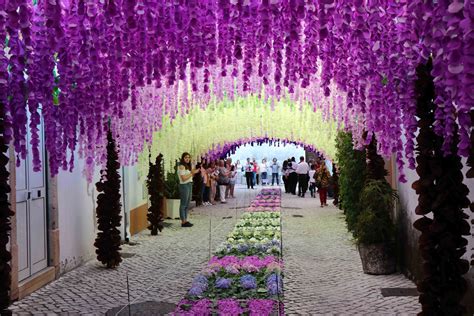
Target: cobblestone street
[323, 273]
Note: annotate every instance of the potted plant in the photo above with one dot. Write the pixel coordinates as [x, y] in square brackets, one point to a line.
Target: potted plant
[172, 194]
[374, 230]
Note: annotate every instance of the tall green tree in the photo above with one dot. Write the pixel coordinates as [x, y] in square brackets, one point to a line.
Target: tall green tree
[352, 167]
[156, 189]
[109, 209]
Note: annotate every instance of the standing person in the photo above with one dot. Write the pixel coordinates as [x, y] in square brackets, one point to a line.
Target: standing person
[302, 170]
[322, 181]
[206, 185]
[239, 170]
[285, 176]
[263, 171]
[233, 179]
[185, 174]
[198, 185]
[222, 180]
[249, 173]
[275, 168]
[228, 165]
[255, 172]
[292, 175]
[211, 172]
[312, 181]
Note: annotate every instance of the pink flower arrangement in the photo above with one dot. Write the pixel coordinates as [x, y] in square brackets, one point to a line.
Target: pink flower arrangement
[249, 264]
[204, 307]
[200, 307]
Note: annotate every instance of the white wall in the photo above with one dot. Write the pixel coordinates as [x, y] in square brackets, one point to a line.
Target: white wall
[77, 216]
[76, 213]
[136, 193]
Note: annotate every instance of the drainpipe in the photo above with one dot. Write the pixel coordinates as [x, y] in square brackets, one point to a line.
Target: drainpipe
[125, 213]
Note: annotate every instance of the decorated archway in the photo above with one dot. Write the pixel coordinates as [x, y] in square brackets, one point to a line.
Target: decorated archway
[138, 67]
[230, 148]
[201, 131]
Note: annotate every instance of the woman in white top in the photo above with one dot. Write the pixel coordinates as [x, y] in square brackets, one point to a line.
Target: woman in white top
[185, 174]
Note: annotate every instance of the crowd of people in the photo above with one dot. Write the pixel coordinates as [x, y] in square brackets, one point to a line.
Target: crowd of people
[207, 183]
[313, 175]
[210, 182]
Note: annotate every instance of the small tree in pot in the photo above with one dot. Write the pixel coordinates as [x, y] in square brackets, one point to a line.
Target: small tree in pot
[172, 193]
[374, 230]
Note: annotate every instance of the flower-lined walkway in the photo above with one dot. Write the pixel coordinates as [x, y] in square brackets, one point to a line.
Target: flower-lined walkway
[323, 274]
[244, 276]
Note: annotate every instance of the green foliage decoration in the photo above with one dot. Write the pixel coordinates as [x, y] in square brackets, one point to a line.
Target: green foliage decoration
[374, 224]
[172, 184]
[352, 174]
[109, 209]
[5, 217]
[442, 195]
[156, 187]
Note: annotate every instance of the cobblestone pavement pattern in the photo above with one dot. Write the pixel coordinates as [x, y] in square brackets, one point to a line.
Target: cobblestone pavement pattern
[323, 274]
[323, 271]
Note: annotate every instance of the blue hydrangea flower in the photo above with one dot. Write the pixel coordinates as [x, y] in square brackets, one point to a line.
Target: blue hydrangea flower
[274, 284]
[197, 290]
[200, 279]
[243, 247]
[223, 283]
[248, 282]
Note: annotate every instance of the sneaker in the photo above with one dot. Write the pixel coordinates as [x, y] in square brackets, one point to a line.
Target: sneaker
[223, 202]
[187, 224]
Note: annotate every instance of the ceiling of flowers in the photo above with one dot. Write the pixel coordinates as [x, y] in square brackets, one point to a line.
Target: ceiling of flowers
[209, 132]
[139, 64]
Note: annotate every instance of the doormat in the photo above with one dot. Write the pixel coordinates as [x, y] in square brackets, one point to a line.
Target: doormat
[226, 217]
[144, 308]
[399, 291]
[296, 215]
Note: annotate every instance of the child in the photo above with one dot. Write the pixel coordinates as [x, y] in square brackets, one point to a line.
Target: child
[312, 181]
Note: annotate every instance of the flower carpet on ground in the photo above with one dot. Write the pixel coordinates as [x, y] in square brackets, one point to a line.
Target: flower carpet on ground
[245, 277]
[266, 200]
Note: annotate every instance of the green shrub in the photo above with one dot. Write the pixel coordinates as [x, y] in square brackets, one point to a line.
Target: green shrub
[352, 174]
[374, 224]
[172, 185]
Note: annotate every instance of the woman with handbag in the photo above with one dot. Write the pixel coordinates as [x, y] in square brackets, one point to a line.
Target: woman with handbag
[222, 180]
[322, 183]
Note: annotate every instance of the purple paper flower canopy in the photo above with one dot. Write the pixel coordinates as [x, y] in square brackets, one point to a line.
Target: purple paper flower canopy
[85, 65]
[221, 151]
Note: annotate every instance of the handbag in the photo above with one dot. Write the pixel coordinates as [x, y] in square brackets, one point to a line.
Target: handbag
[317, 182]
[222, 179]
